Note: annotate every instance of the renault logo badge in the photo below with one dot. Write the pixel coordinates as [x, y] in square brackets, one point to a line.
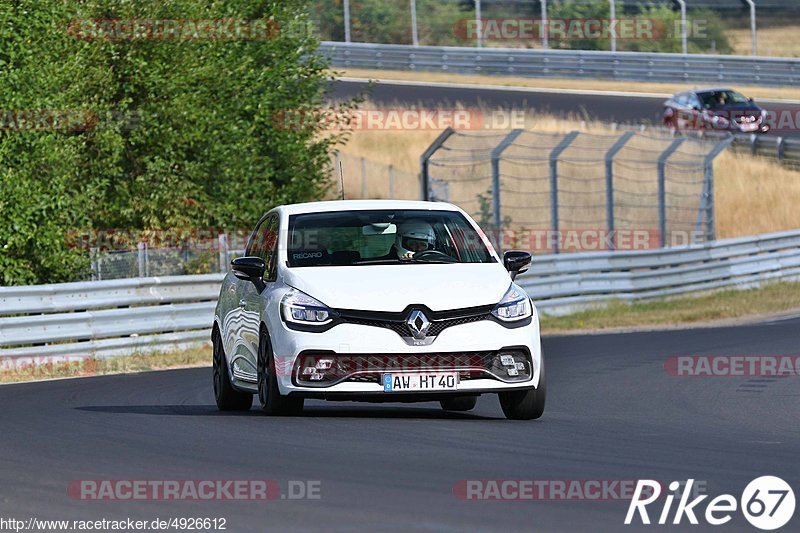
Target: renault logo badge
[418, 324]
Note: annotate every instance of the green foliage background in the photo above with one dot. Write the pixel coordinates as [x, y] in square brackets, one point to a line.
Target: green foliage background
[186, 134]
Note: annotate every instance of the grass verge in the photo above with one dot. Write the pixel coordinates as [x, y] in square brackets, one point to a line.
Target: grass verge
[789, 93]
[40, 368]
[769, 299]
[776, 41]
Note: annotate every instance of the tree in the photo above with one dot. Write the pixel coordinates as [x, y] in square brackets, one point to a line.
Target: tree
[173, 133]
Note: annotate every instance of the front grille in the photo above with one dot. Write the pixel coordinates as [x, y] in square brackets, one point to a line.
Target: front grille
[438, 326]
[746, 119]
[363, 368]
[440, 320]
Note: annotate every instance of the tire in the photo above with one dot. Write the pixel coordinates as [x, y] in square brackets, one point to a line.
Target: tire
[527, 404]
[227, 398]
[459, 403]
[272, 402]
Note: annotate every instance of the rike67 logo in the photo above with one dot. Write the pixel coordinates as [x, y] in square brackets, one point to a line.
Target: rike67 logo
[767, 503]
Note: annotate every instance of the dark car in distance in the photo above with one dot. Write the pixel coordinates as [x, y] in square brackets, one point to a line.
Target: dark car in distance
[714, 109]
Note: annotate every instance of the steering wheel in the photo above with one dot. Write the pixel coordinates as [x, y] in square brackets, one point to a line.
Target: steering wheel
[433, 255]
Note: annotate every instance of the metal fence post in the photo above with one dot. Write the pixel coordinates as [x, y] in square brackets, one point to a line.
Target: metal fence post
[363, 178]
[684, 45]
[707, 206]
[753, 25]
[347, 21]
[545, 26]
[140, 258]
[414, 32]
[554, 155]
[391, 182]
[781, 148]
[612, 152]
[662, 189]
[497, 152]
[222, 240]
[424, 160]
[95, 259]
[613, 16]
[479, 22]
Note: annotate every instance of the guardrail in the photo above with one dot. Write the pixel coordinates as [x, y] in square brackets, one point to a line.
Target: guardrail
[106, 318]
[599, 65]
[563, 283]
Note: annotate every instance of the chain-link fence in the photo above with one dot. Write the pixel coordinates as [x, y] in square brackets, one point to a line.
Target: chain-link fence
[551, 192]
[741, 27]
[206, 257]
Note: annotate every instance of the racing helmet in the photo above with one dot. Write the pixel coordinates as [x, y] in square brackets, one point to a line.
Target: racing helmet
[414, 236]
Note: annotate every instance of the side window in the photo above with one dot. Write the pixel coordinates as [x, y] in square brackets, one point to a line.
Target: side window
[264, 244]
[270, 248]
[253, 244]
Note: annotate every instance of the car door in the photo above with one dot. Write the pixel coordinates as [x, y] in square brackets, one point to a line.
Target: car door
[682, 112]
[695, 110]
[265, 247]
[242, 365]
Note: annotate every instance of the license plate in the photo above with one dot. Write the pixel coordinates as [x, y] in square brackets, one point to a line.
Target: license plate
[413, 382]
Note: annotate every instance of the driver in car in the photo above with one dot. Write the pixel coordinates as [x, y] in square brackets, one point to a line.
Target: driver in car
[412, 237]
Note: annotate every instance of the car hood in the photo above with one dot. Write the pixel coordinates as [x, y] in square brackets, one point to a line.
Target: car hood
[392, 288]
[750, 108]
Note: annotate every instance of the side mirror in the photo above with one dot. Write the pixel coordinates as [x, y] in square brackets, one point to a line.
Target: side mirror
[750, 100]
[516, 262]
[248, 268]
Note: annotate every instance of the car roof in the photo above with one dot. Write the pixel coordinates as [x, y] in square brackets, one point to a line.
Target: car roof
[363, 205]
[712, 90]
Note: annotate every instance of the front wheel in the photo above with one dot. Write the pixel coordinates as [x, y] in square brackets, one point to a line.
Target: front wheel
[526, 404]
[227, 398]
[269, 396]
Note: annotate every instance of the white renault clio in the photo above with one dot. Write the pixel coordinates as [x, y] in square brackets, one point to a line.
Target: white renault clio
[375, 300]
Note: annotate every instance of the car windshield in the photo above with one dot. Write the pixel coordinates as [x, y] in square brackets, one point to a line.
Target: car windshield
[383, 237]
[718, 99]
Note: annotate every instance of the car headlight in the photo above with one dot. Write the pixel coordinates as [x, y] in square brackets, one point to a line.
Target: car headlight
[514, 306]
[299, 308]
[720, 121]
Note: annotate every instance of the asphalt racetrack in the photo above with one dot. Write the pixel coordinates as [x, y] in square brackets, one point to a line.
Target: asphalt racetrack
[609, 107]
[613, 413]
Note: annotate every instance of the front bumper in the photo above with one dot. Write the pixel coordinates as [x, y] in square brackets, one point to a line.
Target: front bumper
[367, 351]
